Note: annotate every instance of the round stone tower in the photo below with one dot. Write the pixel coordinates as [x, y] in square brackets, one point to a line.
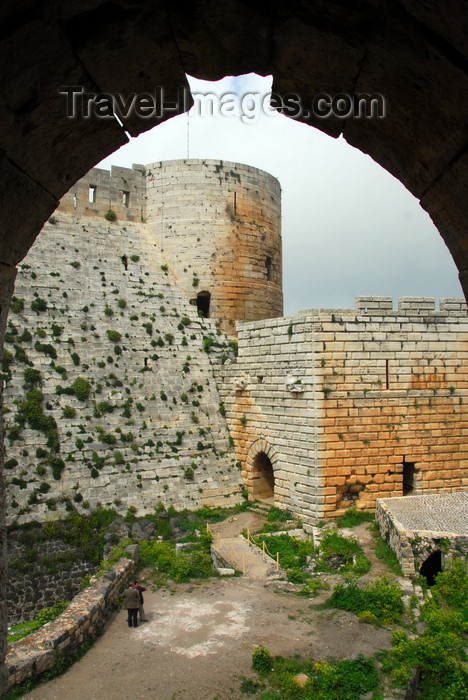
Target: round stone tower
[219, 228]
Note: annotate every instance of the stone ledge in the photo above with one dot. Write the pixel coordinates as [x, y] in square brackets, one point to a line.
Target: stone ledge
[86, 613]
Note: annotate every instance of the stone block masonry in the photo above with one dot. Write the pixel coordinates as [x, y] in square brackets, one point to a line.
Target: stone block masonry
[219, 228]
[351, 405]
[95, 303]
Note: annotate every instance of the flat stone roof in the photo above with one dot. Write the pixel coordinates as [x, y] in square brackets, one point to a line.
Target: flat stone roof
[443, 512]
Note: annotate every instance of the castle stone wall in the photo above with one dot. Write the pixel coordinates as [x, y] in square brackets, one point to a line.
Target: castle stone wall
[151, 428]
[348, 403]
[219, 228]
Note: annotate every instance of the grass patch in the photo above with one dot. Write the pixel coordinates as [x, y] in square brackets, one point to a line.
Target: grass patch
[353, 517]
[335, 680]
[22, 630]
[384, 552]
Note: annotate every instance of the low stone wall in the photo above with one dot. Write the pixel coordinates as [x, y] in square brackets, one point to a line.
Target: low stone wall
[396, 538]
[87, 612]
[413, 546]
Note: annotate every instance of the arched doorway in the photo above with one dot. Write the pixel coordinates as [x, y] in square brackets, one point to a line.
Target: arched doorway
[203, 304]
[431, 567]
[263, 478]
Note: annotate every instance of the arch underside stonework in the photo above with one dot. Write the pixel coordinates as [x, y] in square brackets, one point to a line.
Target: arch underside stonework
[412, 52]
[260, 472]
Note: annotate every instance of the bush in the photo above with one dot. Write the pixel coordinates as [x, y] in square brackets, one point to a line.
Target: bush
[110, 215]
[68, 412]
[261, 660]
[46, 348]
[38, 305]
[452, 585]
[17, 305]
[32, 376]
[382, 598]
[113, 336]
[81, 388]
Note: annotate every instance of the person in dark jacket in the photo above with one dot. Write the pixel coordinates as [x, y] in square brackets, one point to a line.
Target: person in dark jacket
[141, 609]
[131, 601]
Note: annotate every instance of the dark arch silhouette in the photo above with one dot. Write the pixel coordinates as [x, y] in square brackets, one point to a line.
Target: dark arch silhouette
[414, 54]
[431, 567]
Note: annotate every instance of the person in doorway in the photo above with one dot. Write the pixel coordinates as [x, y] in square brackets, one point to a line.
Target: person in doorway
[131, 601]
[141, 609]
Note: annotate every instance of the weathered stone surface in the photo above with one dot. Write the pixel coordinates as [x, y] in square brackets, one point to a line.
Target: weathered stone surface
[104, 42]
[33, 114]
[383, 404]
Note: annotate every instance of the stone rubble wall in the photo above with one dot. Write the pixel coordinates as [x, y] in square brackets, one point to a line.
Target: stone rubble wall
[396, 537]
[219, 227]
[339, 400]
[56, 572]
[86, 614]
[151, 429]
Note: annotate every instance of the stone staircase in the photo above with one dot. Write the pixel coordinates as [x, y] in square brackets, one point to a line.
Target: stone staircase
[231, 547]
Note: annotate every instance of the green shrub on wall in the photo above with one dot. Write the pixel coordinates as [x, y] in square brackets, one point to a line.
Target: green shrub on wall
[82, 388]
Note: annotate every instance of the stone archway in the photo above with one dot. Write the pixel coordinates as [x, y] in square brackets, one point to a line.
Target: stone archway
[259, 474]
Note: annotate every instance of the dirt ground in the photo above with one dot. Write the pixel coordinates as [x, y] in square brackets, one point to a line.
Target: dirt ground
[199, 638]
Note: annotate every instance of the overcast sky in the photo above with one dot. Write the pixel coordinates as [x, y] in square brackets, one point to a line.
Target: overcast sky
[349, 227]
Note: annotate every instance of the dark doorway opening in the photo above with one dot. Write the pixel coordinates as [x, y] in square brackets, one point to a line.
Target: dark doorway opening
[431, 567]
[263, 481]
[408, 477]
[203, 304]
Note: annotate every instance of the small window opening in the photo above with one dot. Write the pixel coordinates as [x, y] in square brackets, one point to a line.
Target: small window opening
[203, 304]
[92, 193]
[125, 199]
[268, 263]
[408, 477]
[124, 259]
[235, 202]
[260, 379]
[387, 375]
[74, 201]
[431, 567]
[146, 362]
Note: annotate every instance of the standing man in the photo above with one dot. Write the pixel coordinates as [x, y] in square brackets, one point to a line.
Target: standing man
[131, 601]
[140, 590]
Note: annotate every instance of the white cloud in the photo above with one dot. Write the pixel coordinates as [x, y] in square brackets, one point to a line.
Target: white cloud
[349, 227]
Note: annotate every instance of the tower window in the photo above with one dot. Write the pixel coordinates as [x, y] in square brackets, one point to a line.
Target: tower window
[126, 199]
[268, 265]
[92, 193]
